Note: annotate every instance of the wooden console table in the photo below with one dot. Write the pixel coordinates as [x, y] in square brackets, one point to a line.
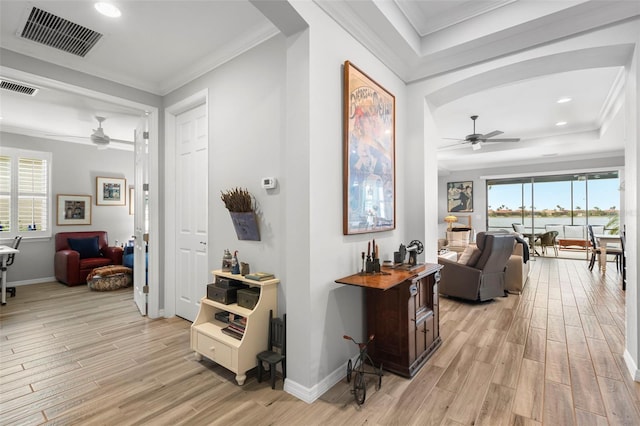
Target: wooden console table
[402, 313]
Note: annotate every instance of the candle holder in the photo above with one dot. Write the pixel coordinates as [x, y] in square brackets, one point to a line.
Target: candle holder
[368, 265]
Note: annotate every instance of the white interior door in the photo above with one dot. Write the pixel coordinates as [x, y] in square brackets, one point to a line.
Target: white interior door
[192, 167]
[141, 215]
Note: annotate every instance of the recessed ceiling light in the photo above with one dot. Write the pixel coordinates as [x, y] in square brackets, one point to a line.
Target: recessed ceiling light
[564, 100]
[107, 9]
[561, 123]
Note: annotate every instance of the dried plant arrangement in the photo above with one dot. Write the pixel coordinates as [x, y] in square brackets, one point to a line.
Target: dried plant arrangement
[237, 200]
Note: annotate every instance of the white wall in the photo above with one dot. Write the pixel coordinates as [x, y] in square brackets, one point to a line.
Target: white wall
[74, 171]
[632, 189]
[246, 135]
[277, 111]
[332, 310]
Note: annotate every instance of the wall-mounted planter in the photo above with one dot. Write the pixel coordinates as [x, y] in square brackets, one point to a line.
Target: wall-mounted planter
[246, 225]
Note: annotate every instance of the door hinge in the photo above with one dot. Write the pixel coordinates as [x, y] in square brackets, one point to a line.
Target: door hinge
[145, 135]
[145, 289]
[145, 186]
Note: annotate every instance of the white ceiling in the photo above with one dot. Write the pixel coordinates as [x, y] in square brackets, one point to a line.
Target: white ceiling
[506, 61]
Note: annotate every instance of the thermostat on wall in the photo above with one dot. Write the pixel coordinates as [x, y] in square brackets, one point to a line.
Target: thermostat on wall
[269, 182]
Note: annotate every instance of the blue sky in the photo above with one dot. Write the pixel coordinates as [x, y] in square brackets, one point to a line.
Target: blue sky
[603, 193]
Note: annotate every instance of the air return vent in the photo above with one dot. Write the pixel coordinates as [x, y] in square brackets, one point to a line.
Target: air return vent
[54, 31]
[18, 87]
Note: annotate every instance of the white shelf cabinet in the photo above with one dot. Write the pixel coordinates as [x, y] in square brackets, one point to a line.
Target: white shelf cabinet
[238, 356]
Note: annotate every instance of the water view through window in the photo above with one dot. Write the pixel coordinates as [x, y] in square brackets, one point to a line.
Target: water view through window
[576, 199]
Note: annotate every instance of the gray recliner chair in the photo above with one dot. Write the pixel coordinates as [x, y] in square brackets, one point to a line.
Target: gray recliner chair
[483, 279]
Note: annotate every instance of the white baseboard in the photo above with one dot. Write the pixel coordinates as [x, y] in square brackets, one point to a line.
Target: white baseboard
[27, 282]
[309, 395]
[631, 366]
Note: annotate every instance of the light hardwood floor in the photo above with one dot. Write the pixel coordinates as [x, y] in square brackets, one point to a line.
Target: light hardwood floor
[551, 356]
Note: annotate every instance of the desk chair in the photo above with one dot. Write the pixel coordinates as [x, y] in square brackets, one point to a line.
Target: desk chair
[15, 244]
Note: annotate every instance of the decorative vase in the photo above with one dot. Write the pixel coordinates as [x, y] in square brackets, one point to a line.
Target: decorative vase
[246, 225]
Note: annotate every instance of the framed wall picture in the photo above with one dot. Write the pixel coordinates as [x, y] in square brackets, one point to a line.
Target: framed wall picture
[111, 191]
[369, 184]
[74, 209]
[460, 196]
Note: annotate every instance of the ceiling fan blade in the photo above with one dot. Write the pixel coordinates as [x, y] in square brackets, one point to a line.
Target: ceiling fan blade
[88, 138]
[452, 146]
[492, 134]
[67, 136]
[502, 140]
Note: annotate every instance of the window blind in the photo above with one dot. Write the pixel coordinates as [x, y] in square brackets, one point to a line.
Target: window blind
[25, 199]
[5, 194]
[32, 194]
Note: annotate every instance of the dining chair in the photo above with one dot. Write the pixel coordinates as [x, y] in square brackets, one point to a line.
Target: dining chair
[596, 251]
[548, 239]
[518, 227]
[623, 260]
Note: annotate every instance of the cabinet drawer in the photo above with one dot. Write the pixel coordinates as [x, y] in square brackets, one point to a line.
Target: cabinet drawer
[215, 350]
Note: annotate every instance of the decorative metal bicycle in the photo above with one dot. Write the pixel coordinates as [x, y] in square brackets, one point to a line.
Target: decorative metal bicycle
[359, 383]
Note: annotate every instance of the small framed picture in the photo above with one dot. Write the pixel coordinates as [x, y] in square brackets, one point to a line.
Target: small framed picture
[111, 191]
[460, 196]
[74, 209]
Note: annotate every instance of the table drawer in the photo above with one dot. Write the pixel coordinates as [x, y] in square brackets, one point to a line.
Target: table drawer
[215, 350]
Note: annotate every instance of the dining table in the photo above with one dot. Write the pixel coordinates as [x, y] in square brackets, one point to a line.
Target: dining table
[532, 237]
[603, 240]
[5, 251]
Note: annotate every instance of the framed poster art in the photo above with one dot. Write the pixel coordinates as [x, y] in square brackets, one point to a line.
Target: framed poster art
[369, 184]
[460, 196]
[74, 209]
[111, 191]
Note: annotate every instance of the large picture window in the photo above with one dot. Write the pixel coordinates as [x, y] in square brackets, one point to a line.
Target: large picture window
[589, 198]
[25, 193]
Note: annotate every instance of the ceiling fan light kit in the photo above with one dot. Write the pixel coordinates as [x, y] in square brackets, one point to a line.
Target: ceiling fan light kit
[98, 136]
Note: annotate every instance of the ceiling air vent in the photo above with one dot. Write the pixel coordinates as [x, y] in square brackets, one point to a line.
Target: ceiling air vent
[18, 87]
[54, 31]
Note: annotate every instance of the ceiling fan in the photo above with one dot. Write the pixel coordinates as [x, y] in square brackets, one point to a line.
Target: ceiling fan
[98, 136]
[475, 138]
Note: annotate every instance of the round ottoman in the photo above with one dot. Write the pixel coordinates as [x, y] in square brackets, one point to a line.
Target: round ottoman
[109, 278]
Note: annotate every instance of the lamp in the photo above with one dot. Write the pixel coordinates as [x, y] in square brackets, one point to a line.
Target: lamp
[450, 219]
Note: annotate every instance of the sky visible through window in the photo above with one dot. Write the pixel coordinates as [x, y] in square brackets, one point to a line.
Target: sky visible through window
[603, 193]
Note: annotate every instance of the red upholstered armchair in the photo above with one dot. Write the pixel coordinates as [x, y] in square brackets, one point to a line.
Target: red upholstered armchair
[78, 253]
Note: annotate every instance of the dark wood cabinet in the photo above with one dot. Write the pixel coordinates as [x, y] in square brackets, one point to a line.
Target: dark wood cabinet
[402, 313]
